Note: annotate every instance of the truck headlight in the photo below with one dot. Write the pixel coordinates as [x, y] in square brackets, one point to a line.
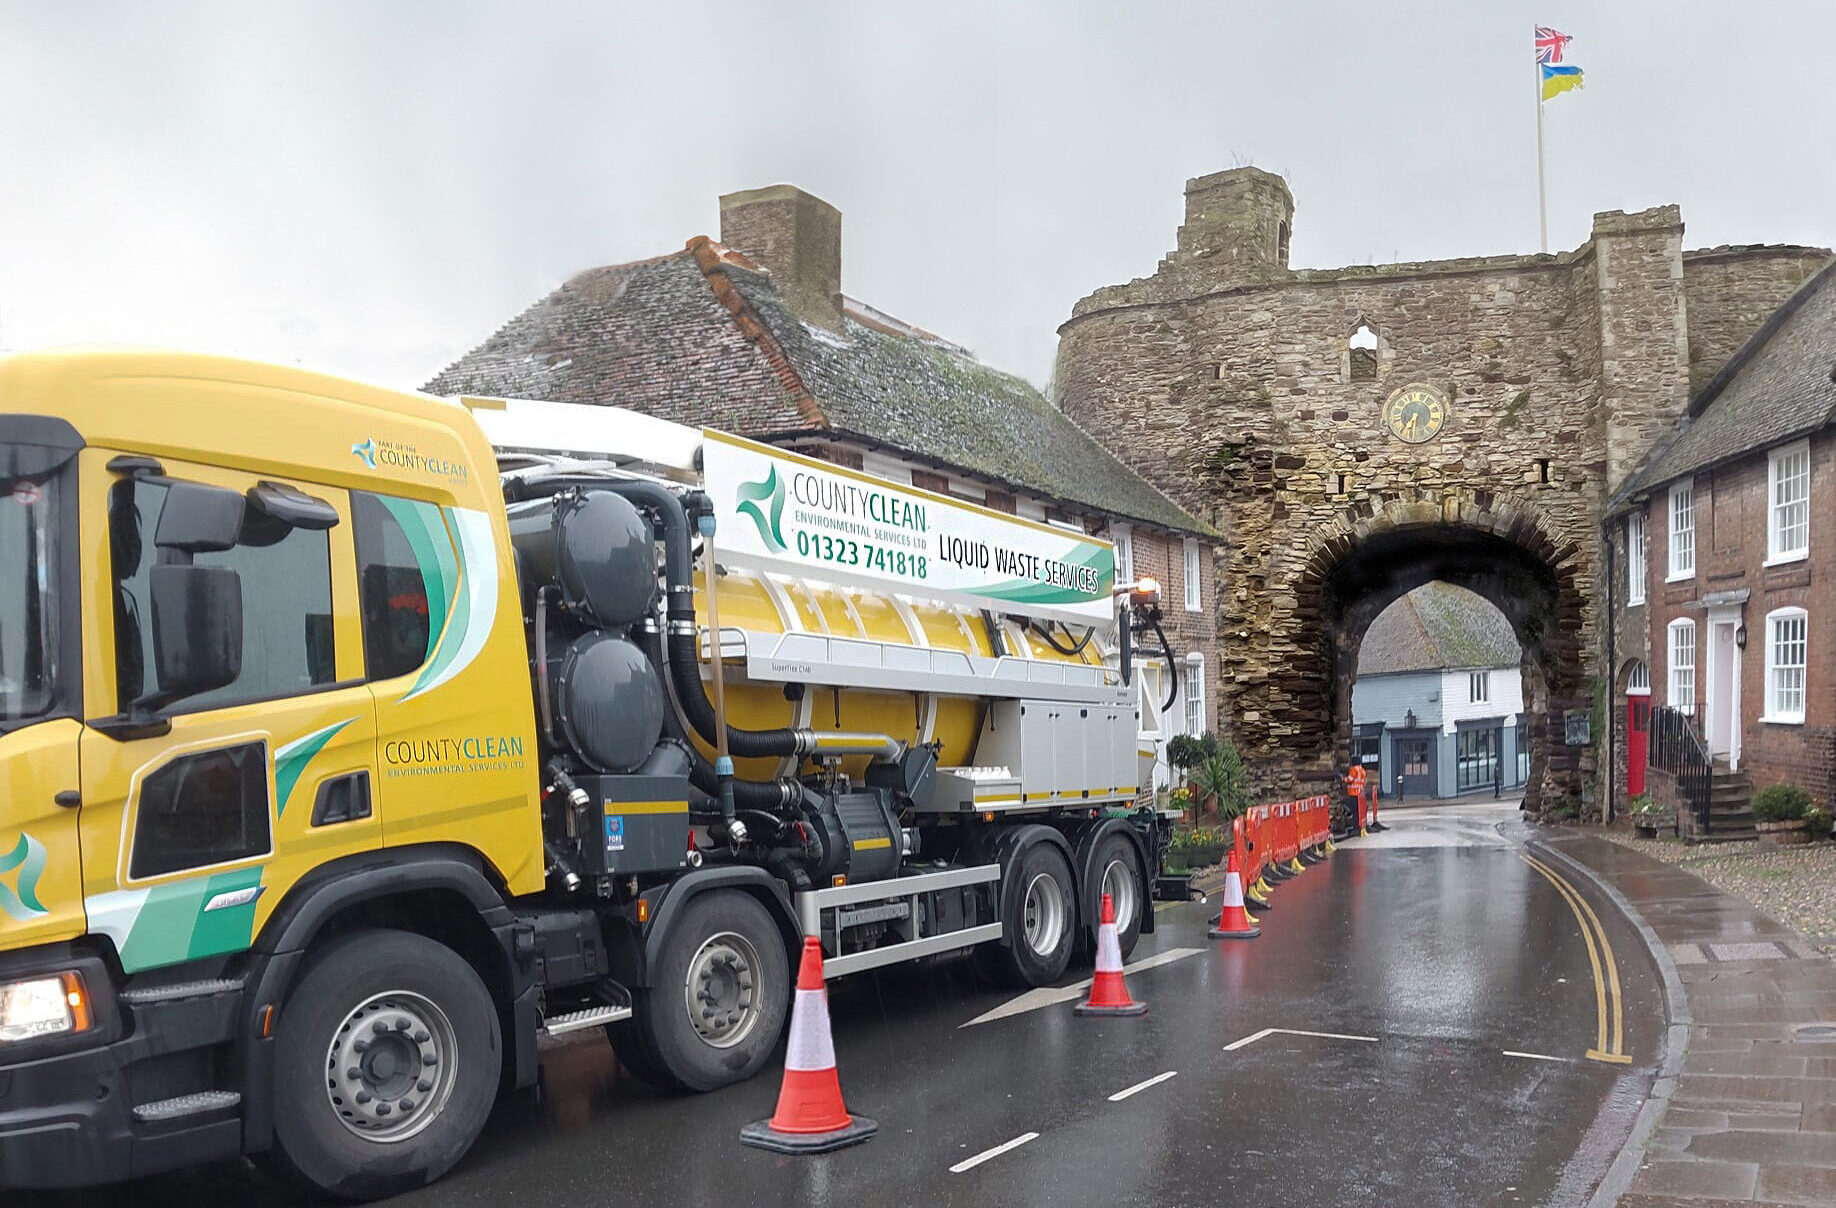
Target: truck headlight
[44, 1006]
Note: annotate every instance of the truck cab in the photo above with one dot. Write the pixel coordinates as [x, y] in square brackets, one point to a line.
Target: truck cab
[213, 578]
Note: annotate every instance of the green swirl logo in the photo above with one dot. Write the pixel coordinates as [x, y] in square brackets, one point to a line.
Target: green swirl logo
[22, 902]
[763, 503]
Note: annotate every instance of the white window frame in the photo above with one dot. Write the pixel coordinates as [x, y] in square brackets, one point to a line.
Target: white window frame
[1195, 679]
[1635, 559]
[1125, 554]
[1638, 679]
[1681, 568]
[1194, 597]
[1478, 687]
[1774, 712]
[1672, 682]
[1776, 549]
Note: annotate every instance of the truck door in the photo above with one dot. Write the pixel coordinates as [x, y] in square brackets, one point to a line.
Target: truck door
[200, 812]
[41, 871]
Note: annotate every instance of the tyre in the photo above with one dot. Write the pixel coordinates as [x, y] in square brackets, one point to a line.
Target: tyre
[387, 1061]
[1038, 920]
[718, 997]
[1117, 872]
[635, 1055]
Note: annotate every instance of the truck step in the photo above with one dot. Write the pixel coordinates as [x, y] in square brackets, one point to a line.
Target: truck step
[580, 1021]
[141, 996]
[187, 1105]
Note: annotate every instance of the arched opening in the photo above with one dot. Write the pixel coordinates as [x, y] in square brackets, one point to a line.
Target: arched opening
[1361, 353]
[1438, 703]
[1501, 551]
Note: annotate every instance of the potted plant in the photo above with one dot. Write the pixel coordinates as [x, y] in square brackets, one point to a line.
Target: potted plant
[1648, 816]
[1220, 777]
[1778, 815]
[1180, 799]
[1186, 752]
[1195, 847]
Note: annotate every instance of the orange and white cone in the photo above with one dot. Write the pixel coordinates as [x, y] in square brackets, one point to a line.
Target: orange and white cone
[1233, 921]
[810, 1116]
[1108, 993]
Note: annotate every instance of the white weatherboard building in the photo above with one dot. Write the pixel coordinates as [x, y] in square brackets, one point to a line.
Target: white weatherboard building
[1437, 707]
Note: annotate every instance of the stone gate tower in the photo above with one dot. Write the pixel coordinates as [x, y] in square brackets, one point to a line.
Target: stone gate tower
[1358, 431]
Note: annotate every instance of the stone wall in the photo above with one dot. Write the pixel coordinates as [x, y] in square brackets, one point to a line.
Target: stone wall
[1731, 291]
[1225, 379]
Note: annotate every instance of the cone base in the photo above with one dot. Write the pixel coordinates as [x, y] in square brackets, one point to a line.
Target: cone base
[1216, 934]
[760, 1135]
[1133, 1008]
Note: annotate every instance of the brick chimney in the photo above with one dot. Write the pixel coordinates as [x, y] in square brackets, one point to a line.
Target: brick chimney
[797, 239]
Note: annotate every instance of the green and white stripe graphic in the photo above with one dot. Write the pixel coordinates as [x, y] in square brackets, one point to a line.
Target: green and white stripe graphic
[461, 591]
[184, 920]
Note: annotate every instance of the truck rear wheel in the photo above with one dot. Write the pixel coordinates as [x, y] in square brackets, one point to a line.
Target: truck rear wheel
[1118, 874]
[387, 1061]
[1038, 920]
[718, 997]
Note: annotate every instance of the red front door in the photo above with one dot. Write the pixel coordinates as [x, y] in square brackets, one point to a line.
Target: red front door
[1638, 725]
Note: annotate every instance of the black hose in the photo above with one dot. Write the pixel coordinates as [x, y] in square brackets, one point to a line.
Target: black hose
[772, 795]
[1166, 648]
[996, 643]
[1067, 651]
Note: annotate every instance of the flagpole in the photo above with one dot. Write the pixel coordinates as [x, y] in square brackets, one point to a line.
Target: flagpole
[1542, 203]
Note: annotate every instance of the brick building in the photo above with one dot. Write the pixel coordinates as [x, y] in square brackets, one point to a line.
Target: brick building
[1728, 538]
[1359, 431]
[752, 334]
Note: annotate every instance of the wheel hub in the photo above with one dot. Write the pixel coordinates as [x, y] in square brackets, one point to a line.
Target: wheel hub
[720, 990]
[1124, 891]
[391, 1066]
[1043, 914]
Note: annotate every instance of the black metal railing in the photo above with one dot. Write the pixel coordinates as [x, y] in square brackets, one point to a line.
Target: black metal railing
[1677, 747]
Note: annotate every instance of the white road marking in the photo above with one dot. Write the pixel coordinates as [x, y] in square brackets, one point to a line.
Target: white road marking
[1136, 1089]
[1046, 996]
[1537, 1056]
[1234, 1045]
[997, 1151]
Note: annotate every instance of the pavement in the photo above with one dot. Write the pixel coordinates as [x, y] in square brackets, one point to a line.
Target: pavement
[1744, 1110]
[1436, 1016]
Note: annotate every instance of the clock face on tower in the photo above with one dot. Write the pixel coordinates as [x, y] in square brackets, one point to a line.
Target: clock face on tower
[1415, 413]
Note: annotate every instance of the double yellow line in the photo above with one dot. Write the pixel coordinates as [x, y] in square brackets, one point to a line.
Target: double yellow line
[1609, 1007]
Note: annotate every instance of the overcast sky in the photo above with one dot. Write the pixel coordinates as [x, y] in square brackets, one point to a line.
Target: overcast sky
[375, 187]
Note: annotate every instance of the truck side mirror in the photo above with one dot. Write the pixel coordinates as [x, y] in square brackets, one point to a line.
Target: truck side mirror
[197, 630]
[198, 519]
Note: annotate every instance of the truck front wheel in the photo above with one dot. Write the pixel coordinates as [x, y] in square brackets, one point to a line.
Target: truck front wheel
[718, 997]
[387, 1061]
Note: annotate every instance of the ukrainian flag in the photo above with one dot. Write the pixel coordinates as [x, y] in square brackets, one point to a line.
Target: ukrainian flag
[1558, 79]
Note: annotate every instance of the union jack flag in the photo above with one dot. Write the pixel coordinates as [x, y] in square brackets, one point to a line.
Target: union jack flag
[1549, 44]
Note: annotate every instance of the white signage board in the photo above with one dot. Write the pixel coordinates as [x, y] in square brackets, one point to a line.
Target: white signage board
[783, 511]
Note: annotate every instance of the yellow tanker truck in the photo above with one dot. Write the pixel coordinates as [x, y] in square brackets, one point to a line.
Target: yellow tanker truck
[351, 741]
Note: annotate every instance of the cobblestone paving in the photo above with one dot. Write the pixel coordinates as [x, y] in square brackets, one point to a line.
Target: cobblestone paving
[1796, 885]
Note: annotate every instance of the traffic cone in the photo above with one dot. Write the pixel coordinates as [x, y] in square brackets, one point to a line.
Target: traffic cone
[1108, 992]
[1232, 922]
[810, 1116]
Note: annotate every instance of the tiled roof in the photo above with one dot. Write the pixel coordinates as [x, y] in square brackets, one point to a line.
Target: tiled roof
[703, 337]
[1438, 625]
[1777, 387]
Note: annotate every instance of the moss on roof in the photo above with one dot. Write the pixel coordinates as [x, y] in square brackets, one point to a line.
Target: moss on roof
[1438, 625]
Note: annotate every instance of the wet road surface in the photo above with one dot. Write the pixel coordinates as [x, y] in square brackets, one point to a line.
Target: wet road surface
[1455, 982]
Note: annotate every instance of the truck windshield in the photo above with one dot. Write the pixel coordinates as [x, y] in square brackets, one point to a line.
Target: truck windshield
[28, 613]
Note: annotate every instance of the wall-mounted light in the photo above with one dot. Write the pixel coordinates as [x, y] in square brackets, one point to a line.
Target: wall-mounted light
[1740, 636]
[1408, 718]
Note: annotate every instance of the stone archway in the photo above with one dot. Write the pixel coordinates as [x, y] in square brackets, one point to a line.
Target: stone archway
[1503, 550]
